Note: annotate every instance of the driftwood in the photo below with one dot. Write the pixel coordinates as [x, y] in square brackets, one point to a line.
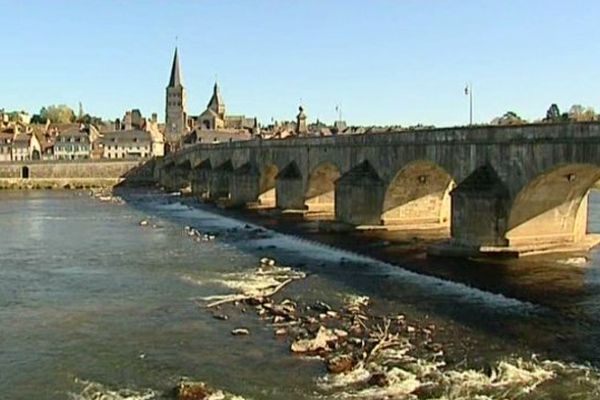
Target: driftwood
[276, 279]
[383, 339]
[243, 297]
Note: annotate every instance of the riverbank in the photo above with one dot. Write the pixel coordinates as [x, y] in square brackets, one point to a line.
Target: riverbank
[58, 183]
[74, 174]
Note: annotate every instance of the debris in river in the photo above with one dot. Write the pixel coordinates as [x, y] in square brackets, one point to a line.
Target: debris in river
[240, 332]
[191, 390]
[574, 261]
[143, 222]
[321, 307]
[267, 261]
[340, 363]
[199, 236]
[94, 390]
[106, 195]
[323, 341]
[280, 332]
[369, 356]
[256, 288]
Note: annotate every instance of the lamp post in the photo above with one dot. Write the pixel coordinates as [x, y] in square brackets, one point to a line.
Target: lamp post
[469, 92]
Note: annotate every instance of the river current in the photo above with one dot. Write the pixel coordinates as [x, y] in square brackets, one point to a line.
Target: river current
[90, 297]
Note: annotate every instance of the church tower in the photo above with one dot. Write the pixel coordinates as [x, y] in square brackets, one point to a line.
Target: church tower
[216, 102]
[175, 106]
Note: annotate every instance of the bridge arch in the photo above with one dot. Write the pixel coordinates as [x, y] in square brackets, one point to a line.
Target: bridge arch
[319, 195]
[267, 194]
[419, 194]
[552, 207]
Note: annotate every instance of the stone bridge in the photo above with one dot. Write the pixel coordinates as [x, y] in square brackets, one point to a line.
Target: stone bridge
[513, 190]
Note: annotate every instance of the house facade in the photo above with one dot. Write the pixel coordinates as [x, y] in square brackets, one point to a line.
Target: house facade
[72, 144]
[132, 143]
[6, 146]
[26, 146]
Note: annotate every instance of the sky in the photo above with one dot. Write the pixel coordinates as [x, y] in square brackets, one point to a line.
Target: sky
[400, 62]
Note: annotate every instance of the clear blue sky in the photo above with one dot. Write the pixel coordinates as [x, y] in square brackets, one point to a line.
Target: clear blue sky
[386, 62]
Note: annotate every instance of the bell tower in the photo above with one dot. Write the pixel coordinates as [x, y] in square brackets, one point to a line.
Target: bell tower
[175, 106]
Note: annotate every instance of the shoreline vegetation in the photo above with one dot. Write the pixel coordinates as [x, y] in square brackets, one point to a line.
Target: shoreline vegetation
[365, 355]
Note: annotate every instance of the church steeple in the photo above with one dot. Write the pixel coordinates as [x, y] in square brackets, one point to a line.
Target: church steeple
[175, 105]
[216, 101]
[175, 72]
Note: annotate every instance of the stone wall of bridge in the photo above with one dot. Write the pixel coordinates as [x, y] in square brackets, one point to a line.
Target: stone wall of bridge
[491, 186]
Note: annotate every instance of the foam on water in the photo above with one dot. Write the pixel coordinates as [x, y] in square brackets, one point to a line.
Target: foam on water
[509, 379]
[97, 391]
[313, 250]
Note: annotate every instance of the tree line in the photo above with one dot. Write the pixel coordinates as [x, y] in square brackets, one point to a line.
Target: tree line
[577, 113]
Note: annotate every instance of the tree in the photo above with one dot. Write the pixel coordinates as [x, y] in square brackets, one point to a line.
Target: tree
[509, 118]
[13, 116]
[589, 115]
[58, 114]
[37, 119]
[553, 113]
[576, 112]
[90, 119]
[579, 113]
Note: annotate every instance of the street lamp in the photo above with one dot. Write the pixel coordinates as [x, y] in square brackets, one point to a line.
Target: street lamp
[469, 92]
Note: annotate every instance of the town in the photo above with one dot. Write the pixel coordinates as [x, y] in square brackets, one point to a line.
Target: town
[299, 200]
[57, 133]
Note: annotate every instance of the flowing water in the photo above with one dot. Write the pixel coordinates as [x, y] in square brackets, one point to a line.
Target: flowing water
[91, 302]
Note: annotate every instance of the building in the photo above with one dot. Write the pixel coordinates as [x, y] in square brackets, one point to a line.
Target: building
[26, 146]
[215, 136]
[23, 117]
[73, 144]
[134, 120]
[6, 146]
[215, 118]
[47, 151]
[3, 117]
[132, 143]
[175, 106]
[158, 142]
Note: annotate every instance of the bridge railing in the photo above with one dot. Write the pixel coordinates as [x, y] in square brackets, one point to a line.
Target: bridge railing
[489, 134]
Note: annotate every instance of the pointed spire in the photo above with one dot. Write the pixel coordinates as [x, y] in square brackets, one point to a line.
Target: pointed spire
[175, 72]
[216, 101]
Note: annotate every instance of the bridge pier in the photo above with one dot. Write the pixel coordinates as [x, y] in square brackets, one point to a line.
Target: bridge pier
[480, 208]
[245, 182]
[359, 195]
[176, 177]
[201, 180]
[290, 188]
[220, 181]
[542, 218]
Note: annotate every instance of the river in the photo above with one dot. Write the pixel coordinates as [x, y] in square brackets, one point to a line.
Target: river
[91, 299]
